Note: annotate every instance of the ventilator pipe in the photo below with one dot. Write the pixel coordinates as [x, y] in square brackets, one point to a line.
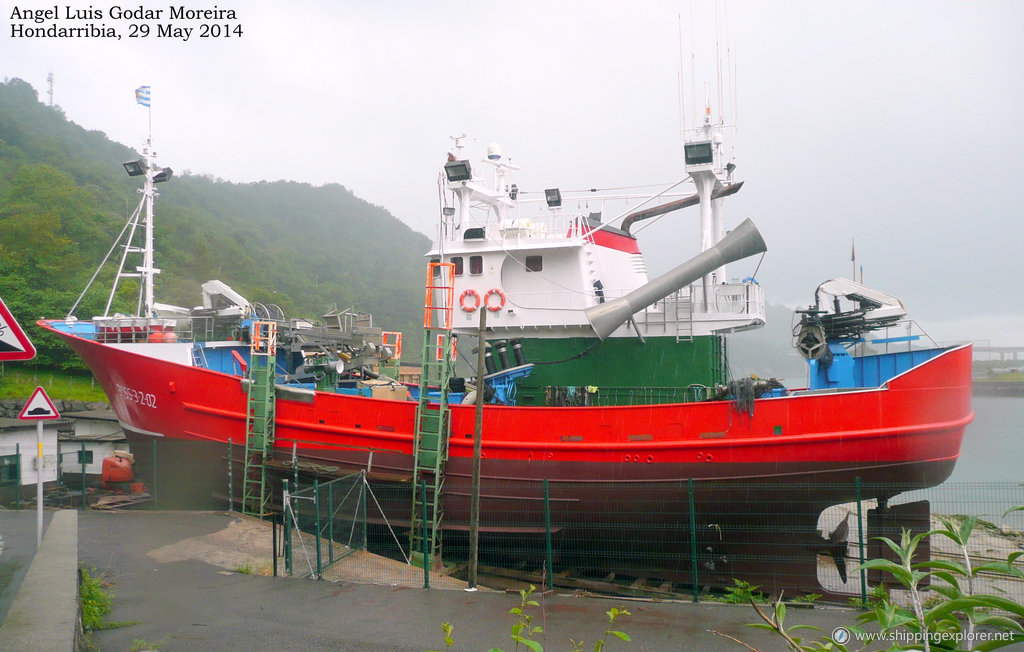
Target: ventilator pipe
[741, 242]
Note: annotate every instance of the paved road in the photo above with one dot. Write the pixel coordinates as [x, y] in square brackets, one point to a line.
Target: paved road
[17, 547]
[191, 605]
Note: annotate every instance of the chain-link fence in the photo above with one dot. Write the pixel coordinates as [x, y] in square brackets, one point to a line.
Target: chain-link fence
[685, 539]
[692, 540]
[334, 513]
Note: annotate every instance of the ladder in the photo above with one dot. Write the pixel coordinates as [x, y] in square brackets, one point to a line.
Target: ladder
[259, 422]
[430, 443]
[684, 315]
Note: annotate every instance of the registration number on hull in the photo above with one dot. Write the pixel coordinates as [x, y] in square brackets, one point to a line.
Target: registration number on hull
[144, 399]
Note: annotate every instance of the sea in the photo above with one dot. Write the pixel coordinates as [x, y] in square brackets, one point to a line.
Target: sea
[989, 476]
[993, 446]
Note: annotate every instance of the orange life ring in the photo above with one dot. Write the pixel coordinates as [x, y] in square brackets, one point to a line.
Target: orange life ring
[474, 296]
[501, 297]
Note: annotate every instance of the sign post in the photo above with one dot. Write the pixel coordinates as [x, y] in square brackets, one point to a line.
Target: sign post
[39, 408]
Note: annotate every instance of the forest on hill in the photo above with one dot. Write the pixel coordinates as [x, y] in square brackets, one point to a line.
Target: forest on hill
[64, 197]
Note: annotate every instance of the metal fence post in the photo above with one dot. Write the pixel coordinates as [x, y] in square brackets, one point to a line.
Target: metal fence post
[295, 464]
[330, 523]
[860, 546]
[426, 544]
[363, 492]
[286, 536]
[231, 482]
[154, 476]
[547, 534]
[316, 525]
[17, 473]
[693, 540]
[82, 506]
[273, 543]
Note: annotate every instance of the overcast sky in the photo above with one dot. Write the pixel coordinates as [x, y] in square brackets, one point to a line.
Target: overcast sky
[897, 124]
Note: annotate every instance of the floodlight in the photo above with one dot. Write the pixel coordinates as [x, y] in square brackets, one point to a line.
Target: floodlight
[553, 196]
[458, 171]
[135, 168]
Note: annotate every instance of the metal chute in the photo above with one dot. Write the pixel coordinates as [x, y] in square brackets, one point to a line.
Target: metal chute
[741, 242]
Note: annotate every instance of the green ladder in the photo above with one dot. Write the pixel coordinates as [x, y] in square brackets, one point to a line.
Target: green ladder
[430, 444]
[259, 422]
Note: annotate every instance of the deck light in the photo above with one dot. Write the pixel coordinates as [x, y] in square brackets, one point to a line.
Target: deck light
[699, 153]
[553, 196]
[458, 171]
[163, 175]
[135, 168]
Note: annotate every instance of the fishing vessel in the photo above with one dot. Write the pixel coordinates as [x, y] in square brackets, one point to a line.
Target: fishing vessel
[609, 389]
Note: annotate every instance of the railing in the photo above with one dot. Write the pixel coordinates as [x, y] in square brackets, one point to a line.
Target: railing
[729, 298]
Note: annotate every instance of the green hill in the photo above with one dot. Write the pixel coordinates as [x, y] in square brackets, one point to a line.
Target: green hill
[64, 197]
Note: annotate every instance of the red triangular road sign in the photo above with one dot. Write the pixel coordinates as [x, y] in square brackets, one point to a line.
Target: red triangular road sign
[39, 407]
[14, 344]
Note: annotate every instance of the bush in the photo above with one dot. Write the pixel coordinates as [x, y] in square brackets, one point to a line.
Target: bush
[946, 619]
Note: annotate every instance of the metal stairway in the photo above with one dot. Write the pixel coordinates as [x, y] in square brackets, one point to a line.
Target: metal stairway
[430, 445]
[259, 422]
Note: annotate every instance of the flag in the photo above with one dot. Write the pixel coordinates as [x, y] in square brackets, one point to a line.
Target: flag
[142, 95]
[853, 244]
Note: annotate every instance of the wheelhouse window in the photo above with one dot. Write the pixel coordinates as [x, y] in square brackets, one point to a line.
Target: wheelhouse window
[534, 263]
[457, 262]
[476, 265]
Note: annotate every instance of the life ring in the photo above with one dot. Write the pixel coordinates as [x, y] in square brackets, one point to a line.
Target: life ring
[501, 298]
[472, 295]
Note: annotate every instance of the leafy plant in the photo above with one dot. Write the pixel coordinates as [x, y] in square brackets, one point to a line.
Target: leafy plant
[523, 630]
[810, 598]
[741, 592]
[941, 621]
[94, 599]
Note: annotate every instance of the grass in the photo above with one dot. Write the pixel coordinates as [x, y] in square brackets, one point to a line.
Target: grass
[1001, 378]
[96, 601]
[20, 381]
[94, 598]
[250, 567]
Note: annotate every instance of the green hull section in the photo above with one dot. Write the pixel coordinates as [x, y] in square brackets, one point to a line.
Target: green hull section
[620, 371]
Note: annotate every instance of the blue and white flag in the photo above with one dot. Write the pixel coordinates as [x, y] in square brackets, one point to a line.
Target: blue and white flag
[142, 95]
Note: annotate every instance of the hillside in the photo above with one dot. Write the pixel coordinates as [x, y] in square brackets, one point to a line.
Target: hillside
[768, 352]
[64, 197]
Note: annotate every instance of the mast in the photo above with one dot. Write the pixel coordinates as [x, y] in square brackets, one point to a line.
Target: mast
[703, 156]
[143, 167]
[146, 269]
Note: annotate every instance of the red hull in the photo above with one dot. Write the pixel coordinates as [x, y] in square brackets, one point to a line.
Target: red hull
[616, 475]
[900, 432]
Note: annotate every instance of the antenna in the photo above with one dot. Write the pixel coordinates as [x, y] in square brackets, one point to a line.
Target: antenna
[49, 80]
[718, 62]
[679, 78]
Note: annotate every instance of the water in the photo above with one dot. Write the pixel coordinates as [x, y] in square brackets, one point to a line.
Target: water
[993, 446]
[989, 476]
